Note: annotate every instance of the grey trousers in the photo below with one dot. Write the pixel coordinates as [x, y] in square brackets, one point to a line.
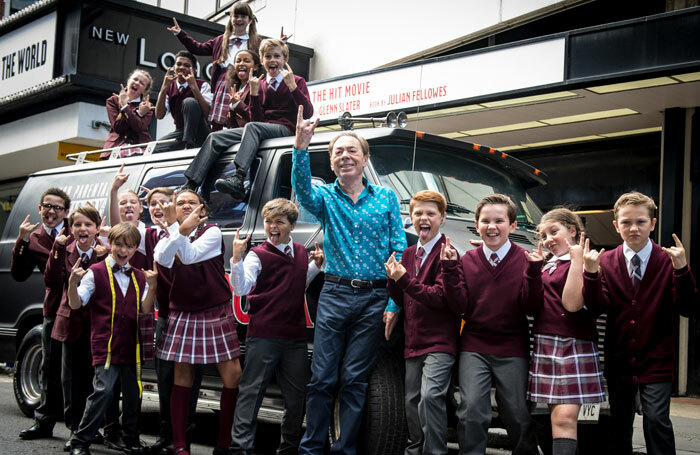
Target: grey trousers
[288, 361]
[101, 399]
[426, 384]
[477, 372]
[656, 407]
[194, 130]
[49, 409]
[218, 142]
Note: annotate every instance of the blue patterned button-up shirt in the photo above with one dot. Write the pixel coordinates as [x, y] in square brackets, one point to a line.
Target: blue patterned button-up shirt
[359, 237]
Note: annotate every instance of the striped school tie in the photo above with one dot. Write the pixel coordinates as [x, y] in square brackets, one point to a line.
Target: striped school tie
[494, 259]
[636, 271]
[419, 258]
[288, 252]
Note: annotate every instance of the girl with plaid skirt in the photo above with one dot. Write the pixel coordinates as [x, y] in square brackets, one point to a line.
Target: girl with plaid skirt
[564, 370]
[201, 325]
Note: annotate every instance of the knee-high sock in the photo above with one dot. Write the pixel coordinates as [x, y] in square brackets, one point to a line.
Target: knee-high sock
[227, 404]
[179, 407]
[564, 446]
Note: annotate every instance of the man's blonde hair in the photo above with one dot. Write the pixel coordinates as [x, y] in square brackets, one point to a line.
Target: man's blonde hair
[635, 198]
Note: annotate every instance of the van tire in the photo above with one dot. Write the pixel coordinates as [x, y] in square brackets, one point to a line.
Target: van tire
[25, 378]
[384, 423]
[383, 430]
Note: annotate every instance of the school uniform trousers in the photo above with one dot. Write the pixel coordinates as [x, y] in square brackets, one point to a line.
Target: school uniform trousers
[195, 129]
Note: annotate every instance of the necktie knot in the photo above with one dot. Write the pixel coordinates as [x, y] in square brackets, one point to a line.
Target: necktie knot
[288, 251]
[273, 83]
[161, 234]
[53, 233]
[181, 88]
[84, 258]
[494, 259]
[237, 41]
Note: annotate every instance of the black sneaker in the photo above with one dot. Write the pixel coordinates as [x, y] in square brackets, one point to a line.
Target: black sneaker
[233, 186]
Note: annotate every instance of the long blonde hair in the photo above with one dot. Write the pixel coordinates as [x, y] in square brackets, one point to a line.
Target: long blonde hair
[241, 8]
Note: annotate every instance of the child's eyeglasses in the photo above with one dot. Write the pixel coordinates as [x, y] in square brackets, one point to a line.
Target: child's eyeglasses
[56, 208]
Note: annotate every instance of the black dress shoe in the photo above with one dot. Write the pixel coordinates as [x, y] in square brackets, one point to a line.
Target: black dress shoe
[233, 186]
[98, 439]
[66, 446]
[160, 444]
[37, 431]
[80, 450]
[114, 442]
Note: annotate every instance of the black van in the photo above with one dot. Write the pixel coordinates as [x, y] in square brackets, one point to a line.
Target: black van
[406, 161]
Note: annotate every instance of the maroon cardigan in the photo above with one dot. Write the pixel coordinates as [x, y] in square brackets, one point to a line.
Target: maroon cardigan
[35, 253]
[640, 335]
[494, 301]
[429, 324]
[553, 318]
[281, 106]
[69, 323]
[127, 126]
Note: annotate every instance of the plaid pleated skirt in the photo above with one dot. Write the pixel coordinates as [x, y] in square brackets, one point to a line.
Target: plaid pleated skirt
[565, 370]
[203, 337]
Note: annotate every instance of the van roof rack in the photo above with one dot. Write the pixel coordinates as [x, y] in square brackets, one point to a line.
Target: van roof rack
[115, 152]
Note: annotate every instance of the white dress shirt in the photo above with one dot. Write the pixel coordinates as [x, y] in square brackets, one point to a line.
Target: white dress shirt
[245, 273]
[643, 254]
[278, 78]
[428, 247]
[233, 49]
[502, 251]
[205, 90]
[207, 246]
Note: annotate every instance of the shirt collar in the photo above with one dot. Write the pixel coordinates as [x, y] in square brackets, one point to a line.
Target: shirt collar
[278, 78]
[369, 188]
[81, 252]
[110, 261]
[184, 84]
[502, 251]
[563, 257]
[282, 246]
[428, 247]
[643, 254]
[58, 227]
[232, 39]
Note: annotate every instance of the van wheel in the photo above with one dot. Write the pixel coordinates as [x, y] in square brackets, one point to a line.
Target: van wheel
[383, 430]
[25, 379]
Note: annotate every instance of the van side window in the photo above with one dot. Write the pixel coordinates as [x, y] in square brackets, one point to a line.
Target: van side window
[321, 174]
[223, 210]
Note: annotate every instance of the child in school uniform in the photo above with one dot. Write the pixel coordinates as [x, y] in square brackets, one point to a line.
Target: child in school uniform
[564, 370]
[431, 329]
[232, 95]
[116, 293]
[130, 113]
[241, 33]
[201, 325]
[274, 103]
[31, 251]
[641, 286]
[274, 276]
[492, 288]
[72, 327]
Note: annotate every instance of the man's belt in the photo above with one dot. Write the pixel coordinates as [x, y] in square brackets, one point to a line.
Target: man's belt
[358, 284]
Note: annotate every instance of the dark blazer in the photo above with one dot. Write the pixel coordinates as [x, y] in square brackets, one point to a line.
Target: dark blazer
[640, 334]
[127, 126]
[69, 323]
[429, 324]
[35, 253]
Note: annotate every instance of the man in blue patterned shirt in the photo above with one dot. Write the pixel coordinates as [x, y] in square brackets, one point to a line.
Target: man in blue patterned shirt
[362, 227]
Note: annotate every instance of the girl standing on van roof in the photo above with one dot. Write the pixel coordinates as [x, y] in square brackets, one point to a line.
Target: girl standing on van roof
[232, 93]
[201, 326]
[241, 33]
[564, 370]
[130, 113]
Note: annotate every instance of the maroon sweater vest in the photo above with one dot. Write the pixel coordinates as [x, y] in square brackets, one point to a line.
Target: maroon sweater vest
[553, 319]
[280, 106]
[175, 99]
[429, 324]
[200, 286]
[494, 301]
[125, 317]
[640, 335]
[277, 300]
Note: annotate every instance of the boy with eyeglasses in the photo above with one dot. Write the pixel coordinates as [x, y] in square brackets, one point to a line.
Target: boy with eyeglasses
[31, 250]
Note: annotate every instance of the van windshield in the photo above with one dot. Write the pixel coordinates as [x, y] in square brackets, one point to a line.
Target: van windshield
[462, 180]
